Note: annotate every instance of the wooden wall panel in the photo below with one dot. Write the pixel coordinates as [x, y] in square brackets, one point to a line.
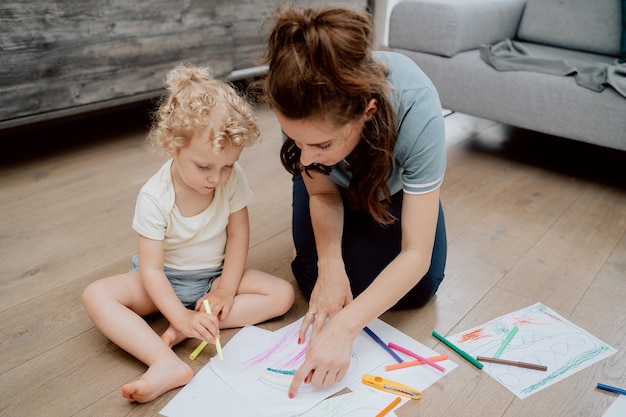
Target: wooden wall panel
[62, 57]
[66, 53]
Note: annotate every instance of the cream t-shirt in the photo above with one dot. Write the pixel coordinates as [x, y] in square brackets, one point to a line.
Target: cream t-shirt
[190, 243]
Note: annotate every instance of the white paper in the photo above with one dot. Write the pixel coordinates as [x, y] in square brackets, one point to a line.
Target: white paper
[207, 394]
[618, 408]
[258, 368]
[352, 404]
[544, 337]
[263, 372]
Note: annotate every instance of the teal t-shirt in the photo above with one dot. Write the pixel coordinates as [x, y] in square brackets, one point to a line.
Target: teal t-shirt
[420, 152]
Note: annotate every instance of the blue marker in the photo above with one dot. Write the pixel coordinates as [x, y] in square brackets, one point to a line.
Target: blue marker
[383, 344]
[611, 389]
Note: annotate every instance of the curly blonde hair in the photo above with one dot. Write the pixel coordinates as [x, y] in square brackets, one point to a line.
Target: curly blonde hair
[196, 102]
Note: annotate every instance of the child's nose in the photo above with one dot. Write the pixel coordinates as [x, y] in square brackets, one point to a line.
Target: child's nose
[213, 177]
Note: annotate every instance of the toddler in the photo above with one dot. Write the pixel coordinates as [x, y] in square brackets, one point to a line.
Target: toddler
[192, 222]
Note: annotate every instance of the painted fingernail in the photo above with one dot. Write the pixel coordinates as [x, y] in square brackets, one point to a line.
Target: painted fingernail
[290, 395]
[299, 341]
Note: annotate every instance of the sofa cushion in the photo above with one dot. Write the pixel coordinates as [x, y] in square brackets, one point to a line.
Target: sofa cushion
[623, 43]
[446, 27]
[585, 25]
[528, 99]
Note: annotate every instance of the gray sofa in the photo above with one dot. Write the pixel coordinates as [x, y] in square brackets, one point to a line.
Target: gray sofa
[447, 37]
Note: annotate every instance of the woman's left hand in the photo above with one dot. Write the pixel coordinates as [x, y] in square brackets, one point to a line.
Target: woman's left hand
[327, 358]
[330, 295]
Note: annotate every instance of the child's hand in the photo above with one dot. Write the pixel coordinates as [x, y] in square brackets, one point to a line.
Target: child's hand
[221, 301]
[200, 325]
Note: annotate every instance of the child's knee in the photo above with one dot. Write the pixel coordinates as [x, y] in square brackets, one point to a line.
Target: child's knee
[89, 294]
[92, 294]
[287, 296]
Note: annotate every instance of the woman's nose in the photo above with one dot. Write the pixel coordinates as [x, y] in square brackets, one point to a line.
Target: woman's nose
[306, 157]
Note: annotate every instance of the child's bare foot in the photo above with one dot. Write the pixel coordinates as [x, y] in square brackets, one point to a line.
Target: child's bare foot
[161, 377]
[172, 337]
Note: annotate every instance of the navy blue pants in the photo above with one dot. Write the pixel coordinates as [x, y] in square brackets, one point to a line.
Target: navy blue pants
[367, 249]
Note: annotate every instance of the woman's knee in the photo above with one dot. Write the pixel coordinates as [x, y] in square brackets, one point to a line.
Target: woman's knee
[420, 294]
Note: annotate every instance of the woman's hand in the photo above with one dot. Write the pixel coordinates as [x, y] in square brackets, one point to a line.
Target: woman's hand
[327, 358]
[330, 294]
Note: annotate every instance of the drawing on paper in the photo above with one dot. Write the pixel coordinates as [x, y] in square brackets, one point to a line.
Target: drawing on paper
[281, 361]
[353, 404]
[544, 338]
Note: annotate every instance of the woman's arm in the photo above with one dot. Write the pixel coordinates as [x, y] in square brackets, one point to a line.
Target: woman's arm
[419, 223]
[238, 237]
[328, 354]
[332, 289]
[199, 325]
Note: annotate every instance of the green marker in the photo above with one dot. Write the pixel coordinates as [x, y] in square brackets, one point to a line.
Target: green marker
[506, 341]
[452, 346]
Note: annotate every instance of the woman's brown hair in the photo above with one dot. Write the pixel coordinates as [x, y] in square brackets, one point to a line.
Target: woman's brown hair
[321, 67]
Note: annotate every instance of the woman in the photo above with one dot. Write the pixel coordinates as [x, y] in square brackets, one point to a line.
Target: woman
[364, 140]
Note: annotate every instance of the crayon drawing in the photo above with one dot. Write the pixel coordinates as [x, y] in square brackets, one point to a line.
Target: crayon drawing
[285, 341]
[263, 366]
[353, 404]
[280, 362]
[544, 338]
[259, 365]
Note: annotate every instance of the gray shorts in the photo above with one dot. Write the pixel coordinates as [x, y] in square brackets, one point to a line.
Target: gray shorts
[189, 286]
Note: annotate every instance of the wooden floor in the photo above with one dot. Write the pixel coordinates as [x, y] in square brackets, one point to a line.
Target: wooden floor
[530, 218]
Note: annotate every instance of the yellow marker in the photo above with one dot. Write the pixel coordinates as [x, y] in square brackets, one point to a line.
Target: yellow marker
[198, 350]
[202, 345]
[218, 345]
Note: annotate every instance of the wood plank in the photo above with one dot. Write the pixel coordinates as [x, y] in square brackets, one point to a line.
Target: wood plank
[58, 316]
[84, 216]
[488, 232]
[559, 269]
[112, 50]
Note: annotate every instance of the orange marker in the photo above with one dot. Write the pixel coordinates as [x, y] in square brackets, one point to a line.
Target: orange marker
[402, 365]
[389, 407]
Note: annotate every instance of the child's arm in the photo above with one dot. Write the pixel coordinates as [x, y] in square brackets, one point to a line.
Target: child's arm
[222, 297]
[191, 323]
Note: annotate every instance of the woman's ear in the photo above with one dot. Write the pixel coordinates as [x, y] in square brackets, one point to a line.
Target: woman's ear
[371, 109]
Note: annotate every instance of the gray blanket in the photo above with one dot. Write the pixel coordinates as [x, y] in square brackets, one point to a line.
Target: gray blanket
[508, 55]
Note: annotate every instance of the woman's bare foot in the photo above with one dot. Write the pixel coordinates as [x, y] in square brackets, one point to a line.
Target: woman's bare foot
[161, 377]
[172, 337]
